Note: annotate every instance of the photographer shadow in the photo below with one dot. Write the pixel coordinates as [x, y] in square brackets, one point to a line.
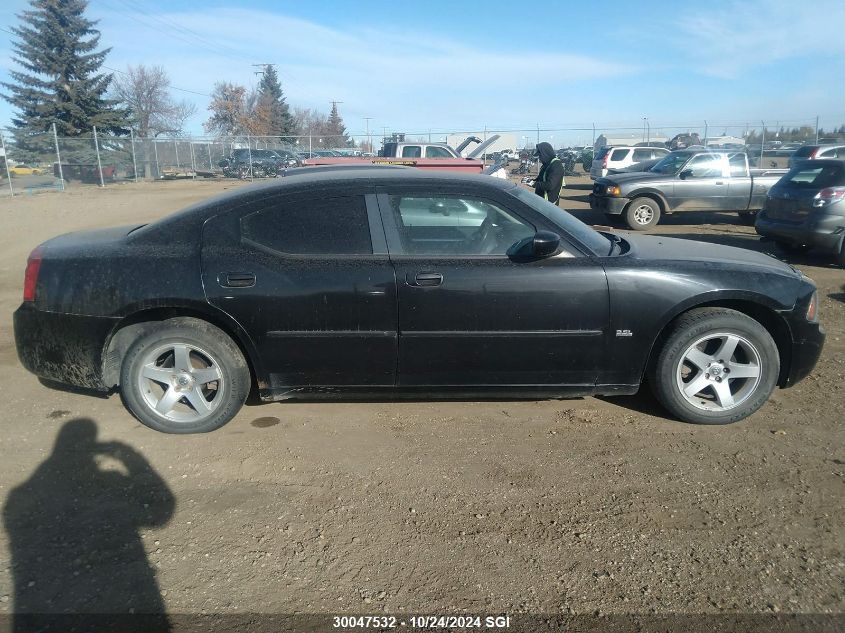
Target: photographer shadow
[74, 534]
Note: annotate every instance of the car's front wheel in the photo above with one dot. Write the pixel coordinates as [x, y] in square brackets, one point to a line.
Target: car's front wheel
[642, 214]
[184, 376]
[717, 366]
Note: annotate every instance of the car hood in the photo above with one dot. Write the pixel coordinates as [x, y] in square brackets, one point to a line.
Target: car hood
[657, 247]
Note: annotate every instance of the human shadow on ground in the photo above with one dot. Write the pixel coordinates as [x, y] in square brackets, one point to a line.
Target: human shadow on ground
[78, 561]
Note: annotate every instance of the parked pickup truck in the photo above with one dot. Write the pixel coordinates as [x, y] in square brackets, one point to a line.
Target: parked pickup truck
[685, 180]
[425, 156]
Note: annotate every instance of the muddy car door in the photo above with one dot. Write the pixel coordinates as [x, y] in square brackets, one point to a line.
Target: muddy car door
[308, 277]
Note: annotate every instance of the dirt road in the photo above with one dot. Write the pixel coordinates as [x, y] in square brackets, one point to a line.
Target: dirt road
[554, 506]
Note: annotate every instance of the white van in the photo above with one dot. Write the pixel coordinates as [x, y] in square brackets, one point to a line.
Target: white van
[611, 157]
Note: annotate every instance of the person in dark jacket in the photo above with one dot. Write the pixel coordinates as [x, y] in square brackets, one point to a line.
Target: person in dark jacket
[549, 181]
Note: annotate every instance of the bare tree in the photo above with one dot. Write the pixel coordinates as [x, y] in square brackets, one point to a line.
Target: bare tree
[229, 110]
[145, 91]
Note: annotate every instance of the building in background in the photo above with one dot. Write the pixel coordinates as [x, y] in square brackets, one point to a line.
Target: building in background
[633, 139]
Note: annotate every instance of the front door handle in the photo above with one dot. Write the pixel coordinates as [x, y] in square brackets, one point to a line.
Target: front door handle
[720, 182]
[427, 279]
[236, 280]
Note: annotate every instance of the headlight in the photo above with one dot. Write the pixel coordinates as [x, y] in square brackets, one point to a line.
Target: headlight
[813, 308]
[614, 190]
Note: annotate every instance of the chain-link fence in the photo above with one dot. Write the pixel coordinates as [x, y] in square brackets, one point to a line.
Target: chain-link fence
[44, 161]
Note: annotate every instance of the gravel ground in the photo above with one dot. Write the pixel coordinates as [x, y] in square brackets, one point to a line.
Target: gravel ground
[556, 507]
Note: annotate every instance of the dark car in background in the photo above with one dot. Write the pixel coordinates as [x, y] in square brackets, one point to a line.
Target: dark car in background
[245, 162]
[806, 208]
[388, 280]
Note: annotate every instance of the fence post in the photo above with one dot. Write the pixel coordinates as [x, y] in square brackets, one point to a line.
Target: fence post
[176, 148]
[155, 152]
[6, 162]
[99, 164]
[208, 147]
[705, 133]
[817, 130]
[193, 162]
[762, 145]
[58, 158]
[134, 163]
[249, 152]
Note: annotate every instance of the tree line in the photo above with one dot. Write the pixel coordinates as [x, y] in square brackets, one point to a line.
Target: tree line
[63, 84]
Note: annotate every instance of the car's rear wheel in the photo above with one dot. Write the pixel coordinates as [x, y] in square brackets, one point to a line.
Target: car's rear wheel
[642, 214]
[717, 366]
[184, 376]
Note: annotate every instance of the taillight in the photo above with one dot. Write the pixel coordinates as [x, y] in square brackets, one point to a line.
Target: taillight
[604, 162]
[30, 278]
[828, 195]
[813, 152]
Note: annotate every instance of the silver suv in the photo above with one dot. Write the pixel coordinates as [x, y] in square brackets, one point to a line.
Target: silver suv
[610, 157]
[812, 152]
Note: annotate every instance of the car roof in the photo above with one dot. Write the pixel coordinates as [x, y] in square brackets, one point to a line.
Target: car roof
[314, 180]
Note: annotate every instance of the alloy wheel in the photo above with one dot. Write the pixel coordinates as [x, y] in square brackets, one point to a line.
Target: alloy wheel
[719, 371]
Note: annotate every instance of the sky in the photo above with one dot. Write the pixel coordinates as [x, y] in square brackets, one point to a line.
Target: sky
[446, 66]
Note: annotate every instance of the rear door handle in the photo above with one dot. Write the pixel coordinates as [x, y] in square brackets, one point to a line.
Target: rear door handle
[427, 279]
[236, 280]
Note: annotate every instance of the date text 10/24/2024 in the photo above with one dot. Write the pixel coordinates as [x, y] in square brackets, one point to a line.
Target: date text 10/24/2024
[421, 622]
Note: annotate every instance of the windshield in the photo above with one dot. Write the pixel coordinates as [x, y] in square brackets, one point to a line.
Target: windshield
[671, 163]
[595, 241]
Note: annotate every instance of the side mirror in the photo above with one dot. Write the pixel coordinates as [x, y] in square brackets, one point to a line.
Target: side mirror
[541, 244]
[686, 173]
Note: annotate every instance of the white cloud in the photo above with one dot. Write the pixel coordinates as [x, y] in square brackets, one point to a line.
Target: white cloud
[741, 35]
[408, 77]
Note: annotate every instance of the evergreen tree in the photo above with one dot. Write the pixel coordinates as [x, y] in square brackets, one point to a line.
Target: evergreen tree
[336, 130]
[61, 82]
[272, 105]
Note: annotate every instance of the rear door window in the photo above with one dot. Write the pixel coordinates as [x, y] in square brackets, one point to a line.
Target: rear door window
[738, 166]
[828, 153]
[642, 154]
[619, 155]
[311, 226]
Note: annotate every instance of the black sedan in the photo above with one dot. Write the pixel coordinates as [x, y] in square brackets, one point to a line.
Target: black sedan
[388, 280]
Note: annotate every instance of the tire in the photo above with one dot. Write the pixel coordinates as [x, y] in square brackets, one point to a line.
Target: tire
[747, 217]
[713, 396]
[642, 214]
[149, 380]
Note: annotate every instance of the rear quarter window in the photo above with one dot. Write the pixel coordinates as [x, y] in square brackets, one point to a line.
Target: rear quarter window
[309, 226]
[619, 154]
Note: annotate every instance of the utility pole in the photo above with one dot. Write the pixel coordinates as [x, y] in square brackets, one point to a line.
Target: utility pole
[817, 130]
[369, 140]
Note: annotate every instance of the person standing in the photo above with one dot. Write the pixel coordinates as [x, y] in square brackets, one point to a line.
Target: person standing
[549, 181]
